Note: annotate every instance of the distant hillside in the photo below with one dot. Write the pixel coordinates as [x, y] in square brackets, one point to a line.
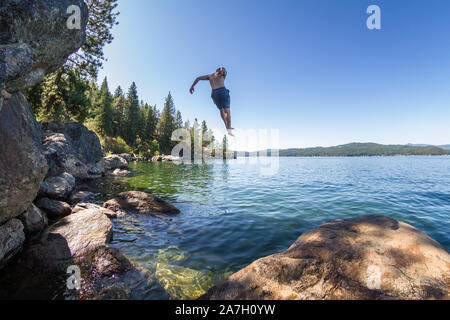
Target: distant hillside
[365, 149]
[445, 146]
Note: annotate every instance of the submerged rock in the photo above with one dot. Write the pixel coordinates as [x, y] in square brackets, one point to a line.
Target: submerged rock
[12, 238]
[34, 220]
[182, 283]
[54, 209]
[108, 262]
[22, 166]
[57, 187]
[140, 203]
[369, 257]
[179, 282]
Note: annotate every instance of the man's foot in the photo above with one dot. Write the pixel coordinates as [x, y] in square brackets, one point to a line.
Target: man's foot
[6, 94]
[230, 132]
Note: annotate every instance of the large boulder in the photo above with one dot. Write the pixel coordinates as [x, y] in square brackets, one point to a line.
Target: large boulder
[74, 149]
[57, 187]
[35, 39]
[115, 162]
[140, 203]
[12, 238]
[69, 241]
[22, 165]
[369, 257]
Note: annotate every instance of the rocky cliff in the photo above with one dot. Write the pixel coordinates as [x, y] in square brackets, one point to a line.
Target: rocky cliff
[34, 41]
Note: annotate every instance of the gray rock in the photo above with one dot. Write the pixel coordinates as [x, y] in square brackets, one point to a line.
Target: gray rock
[84, 206]
[115, 162]
[109, 261]
[365, 258]
[12, 238]
[71, 240]
[23, 167]
[54, 209]
[127, 157]
[170, 159]
[74, 149]
[35, 40]
[57, 187]
[119, 172]
[157, 159]
[140, 203]
[34, 220]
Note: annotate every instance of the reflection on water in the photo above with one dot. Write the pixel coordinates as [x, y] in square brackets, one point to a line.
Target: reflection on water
[231, 215]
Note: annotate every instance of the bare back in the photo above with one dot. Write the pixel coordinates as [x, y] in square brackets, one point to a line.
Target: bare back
[217, 81]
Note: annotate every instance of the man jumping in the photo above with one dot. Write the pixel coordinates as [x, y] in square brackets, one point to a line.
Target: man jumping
[220, 95]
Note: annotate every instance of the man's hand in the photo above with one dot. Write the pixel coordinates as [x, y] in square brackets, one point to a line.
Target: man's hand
[196, 81]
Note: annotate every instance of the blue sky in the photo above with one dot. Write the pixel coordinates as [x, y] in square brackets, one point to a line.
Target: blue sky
[309, 68]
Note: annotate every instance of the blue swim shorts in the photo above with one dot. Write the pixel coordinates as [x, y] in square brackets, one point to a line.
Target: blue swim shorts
[221, 98]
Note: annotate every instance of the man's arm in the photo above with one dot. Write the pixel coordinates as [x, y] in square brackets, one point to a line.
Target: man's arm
[196, 81]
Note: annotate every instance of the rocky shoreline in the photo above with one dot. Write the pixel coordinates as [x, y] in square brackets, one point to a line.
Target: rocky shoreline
[62, 226]
[46, 222]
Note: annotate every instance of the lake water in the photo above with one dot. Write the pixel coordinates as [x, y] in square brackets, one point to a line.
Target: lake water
[232, 215]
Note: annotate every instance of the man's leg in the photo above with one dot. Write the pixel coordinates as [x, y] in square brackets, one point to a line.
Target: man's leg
[228, 117]
[224, 117]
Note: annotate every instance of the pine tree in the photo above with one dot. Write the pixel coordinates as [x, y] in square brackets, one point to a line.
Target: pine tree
[104, 112]
[179, 120]
[225, 144]
[132, 115]
[151, 123]
[64, 92]
[204, 133]
[120, 113]
[118, 92]
[167, 125]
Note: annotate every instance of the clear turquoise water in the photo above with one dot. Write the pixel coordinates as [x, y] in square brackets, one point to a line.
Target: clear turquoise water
[231, 215]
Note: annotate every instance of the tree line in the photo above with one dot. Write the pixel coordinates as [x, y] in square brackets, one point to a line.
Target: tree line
[364, 150]
[123, 122]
